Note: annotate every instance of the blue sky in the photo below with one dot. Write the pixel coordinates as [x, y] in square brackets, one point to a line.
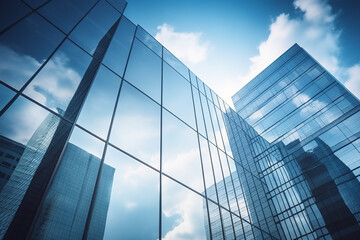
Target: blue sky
[227, 43]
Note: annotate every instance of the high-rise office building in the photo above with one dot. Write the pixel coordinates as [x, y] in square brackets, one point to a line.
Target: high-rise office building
[106, 135]
[311, 163]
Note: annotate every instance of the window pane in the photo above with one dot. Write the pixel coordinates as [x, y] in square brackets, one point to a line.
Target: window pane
[117, 54]
[208, 172]
[209, 128]
[26, 131]
[177, 95]
[34, 3]
[64, 211]
[10, 12]
[198, 111]
[180, 158]
[6, 95]
[21, 56]
[66, 13]
[216, 126]
[193, 79]
[215, 221]
[183, 212]
[94, 26]
[220, 183]
[144, 70]
[149, 40]
[128, 208]
[136, 127]
[176, 64]
[118, 4]
[56, 83]
[98, 108]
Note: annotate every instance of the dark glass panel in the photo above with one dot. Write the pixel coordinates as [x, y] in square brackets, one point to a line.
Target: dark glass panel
[98, 108]
[66, 205]
[180, 156]
[55, 85]
[66, 13]
[21, 56]
[35, 3]
[117, 54]
[94, 26]
[177, 95]
[118, 4]
[127, 203]
[136, 127]
[144, 70]
[11, 11]
[183, 212]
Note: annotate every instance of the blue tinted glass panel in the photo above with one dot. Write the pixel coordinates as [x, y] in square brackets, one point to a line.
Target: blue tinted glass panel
[209, 128]
[94, 26]
[149, 41]
[35, 3]
[55, 85]
[220, 183]
[118, 51]
[176, 64]
[180, 156]
[66, 13]
[215, 221]
[6, 94]
[208, 170]
[120, 210]
[21, 56]
[98, 108]
[144, 70]
[177, 95]
[182, 208]
[136, 127]
[118, 4]
[10, 12]
[216, 125]
[26, 131]
[198, 111]
[193, 79]
[64, 211]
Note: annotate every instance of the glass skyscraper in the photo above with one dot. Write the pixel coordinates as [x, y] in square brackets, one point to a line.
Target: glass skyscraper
[307, 146]
[104, 134]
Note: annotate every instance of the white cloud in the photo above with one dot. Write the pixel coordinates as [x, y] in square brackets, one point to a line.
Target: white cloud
[16, 69]
[188, 207]
[187, 46]
[314, 30]
[353, 80]
[56, 82]
[21, 120]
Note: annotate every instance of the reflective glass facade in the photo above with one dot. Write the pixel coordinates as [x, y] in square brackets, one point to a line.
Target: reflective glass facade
[104, 134]
[306, 148]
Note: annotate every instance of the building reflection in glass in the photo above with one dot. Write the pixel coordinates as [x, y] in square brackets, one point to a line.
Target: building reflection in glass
[334, 187]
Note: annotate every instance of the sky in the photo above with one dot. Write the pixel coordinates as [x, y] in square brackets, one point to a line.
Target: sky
[227, 43]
